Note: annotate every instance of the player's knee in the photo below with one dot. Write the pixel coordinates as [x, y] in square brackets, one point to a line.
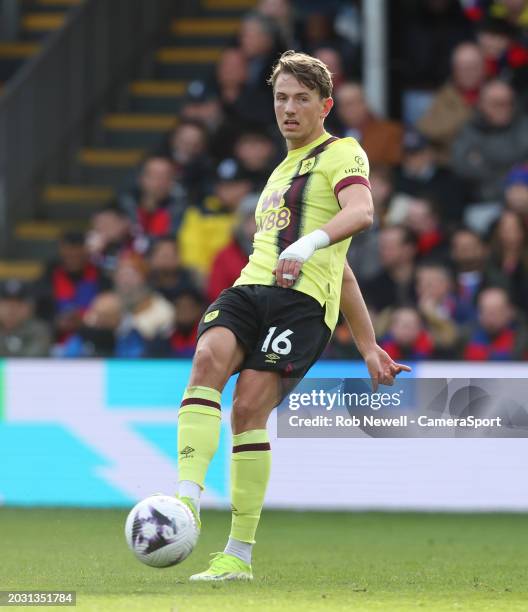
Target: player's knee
[243, 415]
[205, 364]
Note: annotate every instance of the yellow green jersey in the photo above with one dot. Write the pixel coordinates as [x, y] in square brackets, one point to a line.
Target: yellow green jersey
[300, 197]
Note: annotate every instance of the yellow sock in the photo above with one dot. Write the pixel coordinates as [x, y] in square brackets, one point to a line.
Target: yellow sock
[250, 471]
[199, 421]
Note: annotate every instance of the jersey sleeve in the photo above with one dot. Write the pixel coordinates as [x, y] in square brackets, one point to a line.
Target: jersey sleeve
[346, 164]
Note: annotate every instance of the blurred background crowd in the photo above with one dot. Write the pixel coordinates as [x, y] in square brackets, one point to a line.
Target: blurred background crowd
[444, 269]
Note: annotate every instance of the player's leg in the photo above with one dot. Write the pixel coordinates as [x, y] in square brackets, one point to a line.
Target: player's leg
[256, 394]
[218, 355]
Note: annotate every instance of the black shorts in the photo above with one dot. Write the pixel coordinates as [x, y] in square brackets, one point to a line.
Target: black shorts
[280, 329]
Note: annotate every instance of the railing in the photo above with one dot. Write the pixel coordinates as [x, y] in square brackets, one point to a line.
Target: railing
[45, 104]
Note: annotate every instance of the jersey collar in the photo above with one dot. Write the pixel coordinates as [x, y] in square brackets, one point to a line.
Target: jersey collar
[307, 148]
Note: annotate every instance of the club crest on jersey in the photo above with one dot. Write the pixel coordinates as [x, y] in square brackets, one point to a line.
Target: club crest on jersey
[211, 316]
[306, 166]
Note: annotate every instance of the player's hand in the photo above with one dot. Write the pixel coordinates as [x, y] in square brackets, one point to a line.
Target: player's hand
[382, 368]
[293, 257]
[287, 272]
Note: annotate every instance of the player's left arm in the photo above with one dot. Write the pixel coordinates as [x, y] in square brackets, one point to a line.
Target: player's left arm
[356, 215]
[381, 367]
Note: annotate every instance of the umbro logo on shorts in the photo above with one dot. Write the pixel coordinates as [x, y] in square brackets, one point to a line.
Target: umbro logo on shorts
[187, 451]
[271, 358]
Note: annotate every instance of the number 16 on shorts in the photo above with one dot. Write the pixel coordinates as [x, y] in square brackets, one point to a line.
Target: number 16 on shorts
[280, 344]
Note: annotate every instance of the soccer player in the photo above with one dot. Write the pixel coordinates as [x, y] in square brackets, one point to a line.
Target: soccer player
[274, 323]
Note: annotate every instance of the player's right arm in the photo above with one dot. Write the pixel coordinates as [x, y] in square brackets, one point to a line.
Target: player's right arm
[356, 215]
[381, 367]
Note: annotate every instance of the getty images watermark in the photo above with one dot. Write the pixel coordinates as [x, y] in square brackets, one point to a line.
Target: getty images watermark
[412, 408]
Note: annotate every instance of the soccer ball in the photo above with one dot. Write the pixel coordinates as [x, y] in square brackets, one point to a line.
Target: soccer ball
[161, 531]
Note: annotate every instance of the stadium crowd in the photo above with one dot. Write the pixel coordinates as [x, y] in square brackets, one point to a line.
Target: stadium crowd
[444, 269]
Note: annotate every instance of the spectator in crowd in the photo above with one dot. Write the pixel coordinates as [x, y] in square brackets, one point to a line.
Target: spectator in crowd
[499, 334]
[468, 255]
[150, 313]
[514, 12]
[256, 154]
[104, 332]
[380, 138]
[436, 303]
[281, 11]
[21, 334]
[203, 105]
[505, 55]
[68, 286]
[207, 229]
[407, 336]
[110, 235]
[260, 42]
[435, 289]
[491, 143]
[230, 79]
[394, 285]
[229, 262]
[334, 61]
[426, 38]
[423, 220]
[421, 176]
[508, 263]
[154, 207]
[453, 104]
[187, 147]
[167, 276]
[181, 341]
[516, 191]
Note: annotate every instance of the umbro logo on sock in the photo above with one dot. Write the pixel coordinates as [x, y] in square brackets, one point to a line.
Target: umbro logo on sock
[187, 451]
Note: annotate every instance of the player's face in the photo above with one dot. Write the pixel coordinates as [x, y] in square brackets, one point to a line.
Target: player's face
[300, 111]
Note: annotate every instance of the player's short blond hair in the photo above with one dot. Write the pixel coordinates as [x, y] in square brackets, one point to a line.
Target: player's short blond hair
[308, 70]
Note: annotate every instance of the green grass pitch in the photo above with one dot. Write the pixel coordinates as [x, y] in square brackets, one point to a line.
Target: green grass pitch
[303, 562]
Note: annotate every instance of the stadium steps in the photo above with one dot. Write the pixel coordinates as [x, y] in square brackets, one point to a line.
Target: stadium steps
[37, 240]
[173, 62]
[108, 165]
[74, 202]
[143, 130]
[38, 19]
[13, 55]
[123, 136]
[156, 96]
[36, 26]
[23, 270]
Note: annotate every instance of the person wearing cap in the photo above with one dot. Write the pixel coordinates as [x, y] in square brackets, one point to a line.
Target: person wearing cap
[21, 334]
[419, 175]
[207, 229]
